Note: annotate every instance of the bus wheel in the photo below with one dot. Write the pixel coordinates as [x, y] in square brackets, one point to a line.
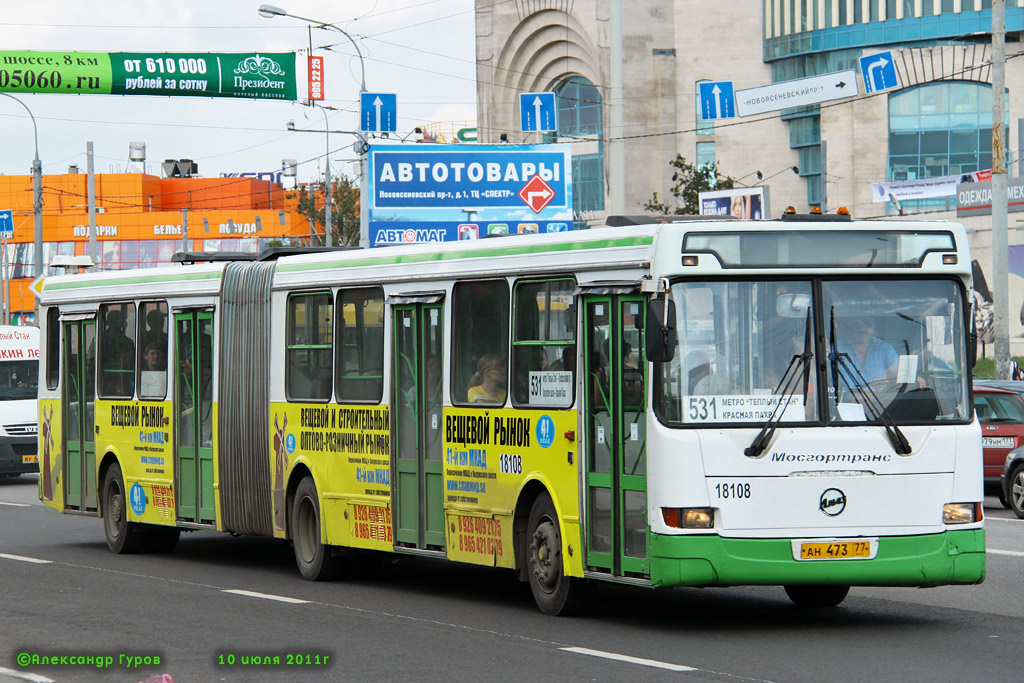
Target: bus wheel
[314, 558]
[555, 593]
[817, 596]
[162, 539]
[122, 536]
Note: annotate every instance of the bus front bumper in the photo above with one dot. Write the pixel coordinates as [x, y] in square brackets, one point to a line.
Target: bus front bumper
[951, 557]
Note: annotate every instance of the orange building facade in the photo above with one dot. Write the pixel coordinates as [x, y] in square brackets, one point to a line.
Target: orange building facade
[140, 222]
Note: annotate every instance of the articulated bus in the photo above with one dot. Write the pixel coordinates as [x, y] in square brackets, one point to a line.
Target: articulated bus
[677, 403]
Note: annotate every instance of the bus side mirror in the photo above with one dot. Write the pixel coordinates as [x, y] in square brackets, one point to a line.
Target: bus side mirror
[661, 329]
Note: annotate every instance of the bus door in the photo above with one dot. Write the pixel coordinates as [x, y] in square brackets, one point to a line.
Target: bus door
[418, 487]
[193, 416]
[616, 438]
[79, 412]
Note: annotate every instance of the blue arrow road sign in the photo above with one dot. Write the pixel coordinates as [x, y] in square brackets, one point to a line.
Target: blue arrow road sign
[378, 112]
[537, 112]
[717, 100]
[879, 71]
[6, 223]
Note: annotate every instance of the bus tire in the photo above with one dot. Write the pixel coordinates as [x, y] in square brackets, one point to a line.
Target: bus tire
[554, 592]
[817, 596]
[122, 536]
[315, 560]
[162, 539]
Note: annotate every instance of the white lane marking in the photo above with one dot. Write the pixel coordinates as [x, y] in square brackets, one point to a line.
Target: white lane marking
[20, 675]
[1001, 519]
[22, 558]
[1015, 553]
[16, 505]
[628, 659]
[265, 596]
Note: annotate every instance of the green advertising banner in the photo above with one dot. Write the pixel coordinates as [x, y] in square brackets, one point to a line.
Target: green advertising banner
[200, 74]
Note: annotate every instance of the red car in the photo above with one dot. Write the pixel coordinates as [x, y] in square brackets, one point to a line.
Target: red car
[1001, 414]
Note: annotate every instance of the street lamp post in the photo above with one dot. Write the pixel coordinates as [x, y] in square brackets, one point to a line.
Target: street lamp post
[269, 12]
[37, 190]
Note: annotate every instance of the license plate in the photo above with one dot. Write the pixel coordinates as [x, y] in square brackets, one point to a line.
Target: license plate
[837, 550]
[30, 458]
[997, 442]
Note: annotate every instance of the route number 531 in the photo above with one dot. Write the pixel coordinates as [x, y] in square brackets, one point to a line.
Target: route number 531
[702, 409]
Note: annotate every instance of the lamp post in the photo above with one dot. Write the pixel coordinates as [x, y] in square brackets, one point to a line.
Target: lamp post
[269, 12]
[37, 191]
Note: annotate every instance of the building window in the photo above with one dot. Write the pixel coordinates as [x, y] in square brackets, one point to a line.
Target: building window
[578, 102]
[579, 108]
[939, 129]
[705, 154]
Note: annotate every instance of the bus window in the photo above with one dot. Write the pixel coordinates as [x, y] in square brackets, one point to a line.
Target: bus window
[360, 352]
[153, 359]
[52, 347]
[480, 342]
[544, 340]
[309, 347]
[117, 350]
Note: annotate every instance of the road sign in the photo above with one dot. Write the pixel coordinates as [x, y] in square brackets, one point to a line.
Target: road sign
[716, 100]
[536, 193]
[537, 112]
[879, 71]
[797, 93]
[378, 112]
[6, 223]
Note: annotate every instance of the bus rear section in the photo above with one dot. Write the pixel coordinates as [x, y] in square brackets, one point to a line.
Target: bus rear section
[813, 428]
[19, 381]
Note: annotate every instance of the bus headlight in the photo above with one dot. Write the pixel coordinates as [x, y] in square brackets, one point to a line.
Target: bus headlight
[689, 518]
[961, 513]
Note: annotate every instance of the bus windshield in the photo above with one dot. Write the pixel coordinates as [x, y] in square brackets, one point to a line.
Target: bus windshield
[878, 350]
[19, 380]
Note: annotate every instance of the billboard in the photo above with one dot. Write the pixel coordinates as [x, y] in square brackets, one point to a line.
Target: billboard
[744, 202]
[975, 199]
[193, 74]
[437, 193]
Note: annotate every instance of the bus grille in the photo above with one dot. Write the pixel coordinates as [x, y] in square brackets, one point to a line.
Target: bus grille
[25, 429]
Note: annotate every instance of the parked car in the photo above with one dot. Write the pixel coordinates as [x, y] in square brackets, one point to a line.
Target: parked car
[1012, 483]
[1007, 384]
[1001, 414]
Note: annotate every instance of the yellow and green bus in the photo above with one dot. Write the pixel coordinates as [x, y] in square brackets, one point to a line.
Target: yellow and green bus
[677, 403]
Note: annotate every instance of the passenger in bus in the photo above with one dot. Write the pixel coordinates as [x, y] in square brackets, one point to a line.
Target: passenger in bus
[566, 362]
[874, 358]
[488, 384]
[154, 357]
[118, 360]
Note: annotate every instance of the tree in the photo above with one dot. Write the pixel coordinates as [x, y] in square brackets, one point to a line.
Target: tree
[344, 210]
[689, 179]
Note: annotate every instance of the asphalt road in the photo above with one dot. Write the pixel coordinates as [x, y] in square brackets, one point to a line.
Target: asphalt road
[217, 599]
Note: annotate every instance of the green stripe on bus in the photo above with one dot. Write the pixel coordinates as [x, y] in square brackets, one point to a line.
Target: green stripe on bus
[483, 253]
[138, 280]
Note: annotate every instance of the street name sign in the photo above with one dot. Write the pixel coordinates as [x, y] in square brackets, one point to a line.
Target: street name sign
[797, 93]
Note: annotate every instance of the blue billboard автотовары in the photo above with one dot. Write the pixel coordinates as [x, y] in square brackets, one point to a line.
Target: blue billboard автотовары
[436, 193]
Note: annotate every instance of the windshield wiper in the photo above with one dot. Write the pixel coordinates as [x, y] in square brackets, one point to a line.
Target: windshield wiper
[787, 387]
[845, 369]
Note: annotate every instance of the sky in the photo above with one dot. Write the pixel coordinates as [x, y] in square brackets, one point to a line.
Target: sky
[421, 50]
